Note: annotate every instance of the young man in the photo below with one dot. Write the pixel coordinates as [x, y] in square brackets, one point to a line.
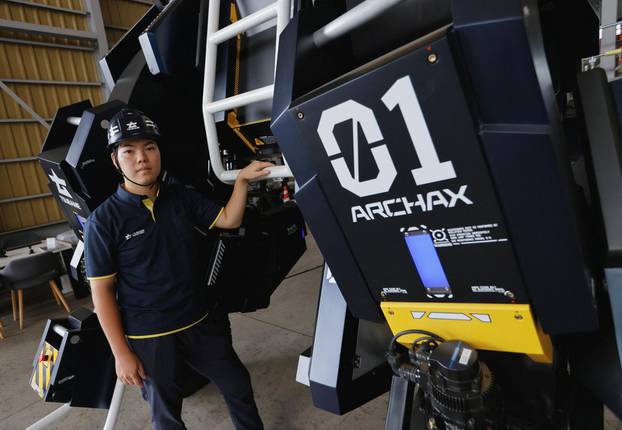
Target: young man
[146, 280]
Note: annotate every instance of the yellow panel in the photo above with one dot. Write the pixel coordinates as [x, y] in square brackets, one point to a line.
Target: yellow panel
[493, 327]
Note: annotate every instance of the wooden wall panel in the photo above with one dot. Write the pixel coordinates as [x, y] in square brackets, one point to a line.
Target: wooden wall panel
[20, 136]
[121, 14]
[35, 15]
[21, 140]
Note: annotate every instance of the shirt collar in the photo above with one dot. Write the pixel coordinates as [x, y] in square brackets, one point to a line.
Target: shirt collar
[133, 199]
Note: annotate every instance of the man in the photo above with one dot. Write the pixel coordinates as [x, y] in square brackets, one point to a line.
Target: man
[147, 283]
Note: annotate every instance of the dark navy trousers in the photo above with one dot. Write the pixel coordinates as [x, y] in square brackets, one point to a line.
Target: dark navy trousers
[210, 353]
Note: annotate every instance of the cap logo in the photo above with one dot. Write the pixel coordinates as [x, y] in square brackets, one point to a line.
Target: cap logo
[131, 126]
[114, 129]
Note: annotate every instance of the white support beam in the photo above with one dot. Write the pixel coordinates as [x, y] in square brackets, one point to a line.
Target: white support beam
[24, 105]
[47, 30]
[96, 23]
[48, 7]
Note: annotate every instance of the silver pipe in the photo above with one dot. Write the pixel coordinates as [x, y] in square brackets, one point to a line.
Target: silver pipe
[350, 20]
[115, 406]
[47, 421]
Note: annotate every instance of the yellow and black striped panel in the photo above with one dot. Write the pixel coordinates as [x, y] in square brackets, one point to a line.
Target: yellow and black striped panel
[42, 373]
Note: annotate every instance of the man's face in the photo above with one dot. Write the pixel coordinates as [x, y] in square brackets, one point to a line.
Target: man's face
[139, 159]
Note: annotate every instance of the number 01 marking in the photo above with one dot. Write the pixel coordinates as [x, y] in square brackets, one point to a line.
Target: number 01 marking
[400, 94]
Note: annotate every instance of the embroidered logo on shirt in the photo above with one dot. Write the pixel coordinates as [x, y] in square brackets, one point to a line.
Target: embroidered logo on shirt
[136, 233]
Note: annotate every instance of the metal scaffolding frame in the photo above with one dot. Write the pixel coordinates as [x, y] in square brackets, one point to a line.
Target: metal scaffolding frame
[17, 160]
[21, 120]
[48, 7]
[44, 82]
[24, 105]
[47, 44]
[24, 198]
[47, 30]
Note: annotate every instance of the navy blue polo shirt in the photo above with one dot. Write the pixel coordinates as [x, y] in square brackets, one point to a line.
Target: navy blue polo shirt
[152, 249]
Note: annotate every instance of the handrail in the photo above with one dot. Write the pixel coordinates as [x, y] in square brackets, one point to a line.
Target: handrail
[355, 17]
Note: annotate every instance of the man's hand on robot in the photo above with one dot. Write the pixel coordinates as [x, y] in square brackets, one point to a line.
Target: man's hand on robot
[255, 171]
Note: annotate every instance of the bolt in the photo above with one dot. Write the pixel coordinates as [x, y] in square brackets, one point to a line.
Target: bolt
[357, 361]
[432, 58]
[432, 423]
[518, 316]
[509, 294]
[391, 313]
[300, 115]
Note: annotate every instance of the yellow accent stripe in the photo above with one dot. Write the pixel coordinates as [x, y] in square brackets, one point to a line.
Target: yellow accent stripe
[147, 336]
[217, 216]
[41, 383]
[149, 205]
[94, 278]
[487, 326]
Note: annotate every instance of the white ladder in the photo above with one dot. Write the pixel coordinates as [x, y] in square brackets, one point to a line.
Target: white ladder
[279, 9]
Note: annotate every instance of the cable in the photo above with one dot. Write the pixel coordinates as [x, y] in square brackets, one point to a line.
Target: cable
[414, 331]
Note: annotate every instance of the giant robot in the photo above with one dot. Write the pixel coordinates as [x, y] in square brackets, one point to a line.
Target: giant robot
[460, 166]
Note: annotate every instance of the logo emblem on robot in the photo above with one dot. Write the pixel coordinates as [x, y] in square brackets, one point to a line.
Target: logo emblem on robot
[401, 94]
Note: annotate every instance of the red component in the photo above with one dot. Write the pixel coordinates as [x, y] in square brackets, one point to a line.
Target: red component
[285, 193]
[429, 47]
[43, 357]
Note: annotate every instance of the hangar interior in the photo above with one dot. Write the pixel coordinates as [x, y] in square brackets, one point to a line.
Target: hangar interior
[437, 244]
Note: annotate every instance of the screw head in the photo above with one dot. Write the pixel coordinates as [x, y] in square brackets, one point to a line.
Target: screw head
[518, 316]
[300, 115]
[432, 58]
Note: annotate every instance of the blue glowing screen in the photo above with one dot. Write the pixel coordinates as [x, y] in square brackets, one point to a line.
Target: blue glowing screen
[426, 260]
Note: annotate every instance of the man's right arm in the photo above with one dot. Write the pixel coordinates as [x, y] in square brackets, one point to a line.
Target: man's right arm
[129, 368]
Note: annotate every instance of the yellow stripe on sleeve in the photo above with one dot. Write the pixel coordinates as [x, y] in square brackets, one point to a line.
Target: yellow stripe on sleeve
[95, 278]
[217, 216]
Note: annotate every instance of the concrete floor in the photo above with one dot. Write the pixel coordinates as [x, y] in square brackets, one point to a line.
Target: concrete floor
[268, 341]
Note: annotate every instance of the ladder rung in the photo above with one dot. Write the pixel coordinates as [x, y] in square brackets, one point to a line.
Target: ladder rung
[258, 95]
[244, 24]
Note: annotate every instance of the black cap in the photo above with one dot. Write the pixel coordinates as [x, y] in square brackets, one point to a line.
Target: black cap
[129, 124]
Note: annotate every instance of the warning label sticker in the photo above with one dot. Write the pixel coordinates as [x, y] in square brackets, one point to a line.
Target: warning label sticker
[467, 235]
